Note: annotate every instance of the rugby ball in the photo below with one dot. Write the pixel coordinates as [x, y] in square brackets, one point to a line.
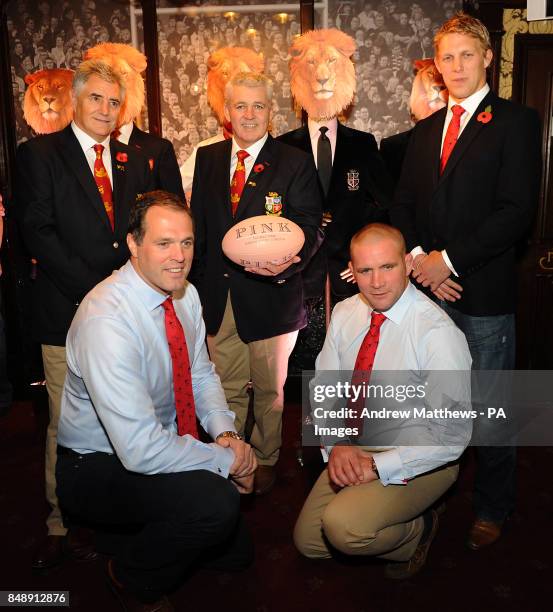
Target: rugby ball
[258, 241]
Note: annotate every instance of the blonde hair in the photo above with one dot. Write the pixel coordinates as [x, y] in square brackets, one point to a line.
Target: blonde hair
[461, 23]
[249, 79]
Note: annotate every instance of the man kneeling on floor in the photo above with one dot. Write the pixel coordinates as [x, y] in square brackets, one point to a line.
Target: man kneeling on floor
[129, 456]
[378, 503]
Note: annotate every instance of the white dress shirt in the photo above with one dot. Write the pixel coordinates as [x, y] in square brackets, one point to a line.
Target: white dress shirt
[249, 162]
[118, 395]
[416, 336]
[87, 144]
[314, 135]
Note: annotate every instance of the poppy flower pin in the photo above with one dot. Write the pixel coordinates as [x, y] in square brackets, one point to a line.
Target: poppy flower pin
[122, 157]
[486, 115]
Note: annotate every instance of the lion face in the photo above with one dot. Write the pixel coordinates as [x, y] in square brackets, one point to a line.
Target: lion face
[322, 75]
[429, 92]
[223, 65]
[47, 105]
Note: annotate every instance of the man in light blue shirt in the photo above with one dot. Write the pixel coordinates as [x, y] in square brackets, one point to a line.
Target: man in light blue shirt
[121, 461]
[378, 503]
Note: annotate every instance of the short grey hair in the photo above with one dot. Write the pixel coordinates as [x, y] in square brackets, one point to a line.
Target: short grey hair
[249, 79]
[99, 68]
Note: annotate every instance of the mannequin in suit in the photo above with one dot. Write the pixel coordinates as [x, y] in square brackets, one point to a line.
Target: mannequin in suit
[252, 315]
[77, 236]
[467, 195]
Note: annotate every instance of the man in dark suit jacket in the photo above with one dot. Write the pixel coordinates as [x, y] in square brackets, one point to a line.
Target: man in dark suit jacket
[392, 150]
[160, 154]
[462, 206]
[253, 315]
[359, 193]
[77, 236]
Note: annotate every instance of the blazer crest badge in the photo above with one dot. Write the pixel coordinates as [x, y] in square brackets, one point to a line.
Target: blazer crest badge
[353, 180]
[273, 204]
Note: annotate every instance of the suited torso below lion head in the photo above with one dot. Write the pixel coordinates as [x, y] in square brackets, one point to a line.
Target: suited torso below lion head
[47, 106]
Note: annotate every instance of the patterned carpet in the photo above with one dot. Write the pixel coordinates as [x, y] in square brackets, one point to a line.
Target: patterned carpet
[515, 574]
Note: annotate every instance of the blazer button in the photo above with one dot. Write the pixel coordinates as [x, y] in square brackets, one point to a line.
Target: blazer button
[226, 274]
[115, 245]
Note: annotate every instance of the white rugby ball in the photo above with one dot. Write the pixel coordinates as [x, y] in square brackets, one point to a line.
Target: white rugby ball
[257, 241]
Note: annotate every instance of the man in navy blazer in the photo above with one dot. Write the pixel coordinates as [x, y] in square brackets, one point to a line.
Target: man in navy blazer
[253, 315]
[462, 214]
[67, 229]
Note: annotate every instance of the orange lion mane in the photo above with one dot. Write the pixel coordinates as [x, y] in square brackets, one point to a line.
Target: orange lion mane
[429, 92]
[47, 106]
[322, 75]
[129, 63]
[223, 64]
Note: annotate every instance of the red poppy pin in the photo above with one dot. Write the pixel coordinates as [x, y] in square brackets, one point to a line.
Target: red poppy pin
[486, 115]
[151, 162]
[258, 168]
[122, 157]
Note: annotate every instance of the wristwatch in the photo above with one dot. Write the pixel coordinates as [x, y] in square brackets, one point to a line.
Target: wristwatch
[229, 434]
[374, 468]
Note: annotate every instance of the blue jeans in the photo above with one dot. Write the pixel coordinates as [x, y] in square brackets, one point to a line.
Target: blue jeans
[491, 342]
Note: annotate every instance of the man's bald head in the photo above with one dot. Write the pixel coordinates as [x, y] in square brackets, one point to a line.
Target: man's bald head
[374, 232]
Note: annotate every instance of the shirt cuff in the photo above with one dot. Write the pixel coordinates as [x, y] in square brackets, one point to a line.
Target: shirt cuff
[390, 467]
[219, 422]
[448, 262]
[224, 458]
[418, 250]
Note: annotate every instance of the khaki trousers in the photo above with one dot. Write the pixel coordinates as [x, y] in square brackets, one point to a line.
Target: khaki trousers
[55, 368]
[368, 519]
[265, 363]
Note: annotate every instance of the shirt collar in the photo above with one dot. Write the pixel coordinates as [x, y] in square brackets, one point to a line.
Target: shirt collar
[253, 149]
[125, 132]
[86, 141]
[313, 127]
[151, 298]
[400, 308]
[471, 103]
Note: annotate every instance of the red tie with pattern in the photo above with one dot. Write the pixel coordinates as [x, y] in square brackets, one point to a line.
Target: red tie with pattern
[363, 367]
[182, 376]
[238, 180]
[451, 134]
[104, 186]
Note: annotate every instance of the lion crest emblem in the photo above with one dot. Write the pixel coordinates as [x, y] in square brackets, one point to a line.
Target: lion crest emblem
[322, 75]
[47, 106]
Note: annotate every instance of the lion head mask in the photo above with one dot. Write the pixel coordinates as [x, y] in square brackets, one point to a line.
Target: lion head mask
[223, 64]
[129, 63]
[429, 92]
[322, 75]
[47, 105]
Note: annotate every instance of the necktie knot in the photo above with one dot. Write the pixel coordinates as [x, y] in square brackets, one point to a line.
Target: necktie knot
[242, 155]
[457, 110]
[323, 130]
[168, 305]
[98, 149]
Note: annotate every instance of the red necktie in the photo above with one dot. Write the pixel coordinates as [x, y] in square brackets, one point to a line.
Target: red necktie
[238, 181]
[182, 377]
[451, 134]
[104, 186]
[364, 365]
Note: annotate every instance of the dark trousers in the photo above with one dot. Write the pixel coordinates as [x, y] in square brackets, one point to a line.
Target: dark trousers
[173, 522]
[491, 342]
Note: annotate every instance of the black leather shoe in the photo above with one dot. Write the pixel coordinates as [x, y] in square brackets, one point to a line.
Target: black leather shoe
[81, 544]
[129, 602]
[51, 552]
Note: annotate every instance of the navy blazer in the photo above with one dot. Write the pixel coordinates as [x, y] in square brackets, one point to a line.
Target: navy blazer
[65, 225]
[482, 204]
[360, 192]
[263, 306]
